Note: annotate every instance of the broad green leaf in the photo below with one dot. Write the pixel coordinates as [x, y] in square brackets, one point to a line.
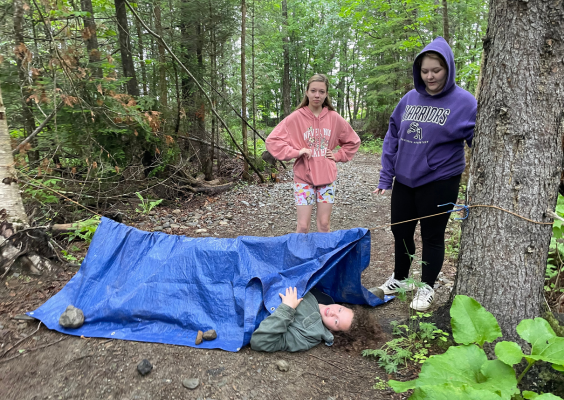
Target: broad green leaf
[558, 367]
[468, 365]
[472, 323]
[509, 352]
[400, 387]
[545, 345]
[532, 395]
[450, 392]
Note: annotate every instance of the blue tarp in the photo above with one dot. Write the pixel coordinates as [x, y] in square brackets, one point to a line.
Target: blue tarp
[154, 287]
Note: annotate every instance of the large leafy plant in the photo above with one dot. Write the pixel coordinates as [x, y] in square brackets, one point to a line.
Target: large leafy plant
[465, 372]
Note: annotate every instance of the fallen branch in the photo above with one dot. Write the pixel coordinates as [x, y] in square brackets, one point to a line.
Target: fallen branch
[36, 348]
[208, 189]
[165, 45]
[38, 129]
[21, 340]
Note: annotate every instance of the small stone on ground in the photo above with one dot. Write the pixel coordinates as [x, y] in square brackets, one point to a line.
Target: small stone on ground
[72, 318]
[144, 367]
[283, 365]
[191, 383]
[209, 335]
[199, 337]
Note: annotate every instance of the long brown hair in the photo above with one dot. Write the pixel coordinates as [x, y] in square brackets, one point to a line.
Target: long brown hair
[365, 332]
[318, 78]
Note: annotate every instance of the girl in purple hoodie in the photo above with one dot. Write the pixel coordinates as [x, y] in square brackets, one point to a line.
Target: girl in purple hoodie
[424, 152]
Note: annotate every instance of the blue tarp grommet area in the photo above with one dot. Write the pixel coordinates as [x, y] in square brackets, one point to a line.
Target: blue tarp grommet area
[154, 287]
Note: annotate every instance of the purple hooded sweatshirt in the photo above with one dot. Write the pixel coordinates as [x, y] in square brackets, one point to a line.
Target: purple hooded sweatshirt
[426, 134]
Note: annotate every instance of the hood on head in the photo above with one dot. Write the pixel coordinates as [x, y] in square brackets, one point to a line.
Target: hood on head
[439, 45]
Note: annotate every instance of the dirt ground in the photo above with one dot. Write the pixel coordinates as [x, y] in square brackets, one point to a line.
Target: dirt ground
[50, 365]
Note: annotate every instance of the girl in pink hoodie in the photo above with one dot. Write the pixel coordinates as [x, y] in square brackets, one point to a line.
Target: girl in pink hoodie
[310, 134]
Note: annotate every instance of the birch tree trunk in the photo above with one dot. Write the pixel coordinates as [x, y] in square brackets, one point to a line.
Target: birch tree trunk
[516, 160]
[10, 198]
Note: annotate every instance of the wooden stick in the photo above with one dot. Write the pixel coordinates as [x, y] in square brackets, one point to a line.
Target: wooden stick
[38, 129]
[21, 340]
[36, 348]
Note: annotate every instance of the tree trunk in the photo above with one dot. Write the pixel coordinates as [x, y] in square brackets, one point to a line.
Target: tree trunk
[162, 61]
[286, 73]
[125, 48]
[253, 104]
[10, 198]
[211, 150]
[23, 59]
[516, 161]
[91, 38]
[446, 35]
[244, 88]
[140, 54]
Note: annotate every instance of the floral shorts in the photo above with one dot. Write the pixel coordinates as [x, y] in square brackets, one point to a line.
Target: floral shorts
[305, 194]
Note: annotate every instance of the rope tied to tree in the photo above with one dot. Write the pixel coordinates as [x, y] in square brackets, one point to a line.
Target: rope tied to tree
[466, 210]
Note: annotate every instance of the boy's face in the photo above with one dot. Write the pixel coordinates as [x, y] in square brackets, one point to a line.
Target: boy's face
[336, 317]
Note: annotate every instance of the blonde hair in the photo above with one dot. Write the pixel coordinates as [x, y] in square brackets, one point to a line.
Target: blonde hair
[327, 102]
[434, 56]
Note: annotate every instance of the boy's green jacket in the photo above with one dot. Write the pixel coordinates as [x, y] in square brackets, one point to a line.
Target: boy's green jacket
[291, 329]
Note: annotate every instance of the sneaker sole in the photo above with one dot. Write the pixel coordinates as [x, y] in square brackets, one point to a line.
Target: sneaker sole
[420, 309]
[388, 291]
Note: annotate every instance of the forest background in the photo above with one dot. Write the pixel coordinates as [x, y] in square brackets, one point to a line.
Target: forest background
[128, 110]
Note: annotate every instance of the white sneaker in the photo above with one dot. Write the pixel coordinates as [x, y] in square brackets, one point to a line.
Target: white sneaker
[391, 286]
[423, 298]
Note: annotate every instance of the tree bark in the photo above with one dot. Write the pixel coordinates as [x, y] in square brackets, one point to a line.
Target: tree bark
[253, 103]
[244, 88]
[213, 61]
[162, 62]
[23, 60]
[286, 72]
[516, 161]
[140, 54]
[125, 48]
[10, 198]
[91, 38]
[446, 34]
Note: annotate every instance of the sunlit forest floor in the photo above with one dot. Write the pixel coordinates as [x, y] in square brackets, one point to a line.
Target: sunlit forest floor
[91, 368]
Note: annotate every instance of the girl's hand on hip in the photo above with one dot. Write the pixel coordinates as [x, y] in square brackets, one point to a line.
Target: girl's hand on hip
[305, 151]
[291, 298]
[379, 191]
[330, 155]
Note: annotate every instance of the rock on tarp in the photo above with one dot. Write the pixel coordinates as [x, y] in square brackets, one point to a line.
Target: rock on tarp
[154, 287]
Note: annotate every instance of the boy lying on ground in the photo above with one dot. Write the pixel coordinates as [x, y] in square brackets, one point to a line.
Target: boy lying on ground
[300, 324]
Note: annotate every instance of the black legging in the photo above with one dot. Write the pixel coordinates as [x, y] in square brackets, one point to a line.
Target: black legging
[409, 203]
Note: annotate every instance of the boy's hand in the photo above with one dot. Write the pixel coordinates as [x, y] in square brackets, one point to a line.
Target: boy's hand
[291, 298]
[379, 191]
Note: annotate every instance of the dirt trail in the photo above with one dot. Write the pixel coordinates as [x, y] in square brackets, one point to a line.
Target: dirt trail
[78, 368]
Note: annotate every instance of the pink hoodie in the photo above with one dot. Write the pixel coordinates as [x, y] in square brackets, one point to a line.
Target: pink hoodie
[320, 134]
